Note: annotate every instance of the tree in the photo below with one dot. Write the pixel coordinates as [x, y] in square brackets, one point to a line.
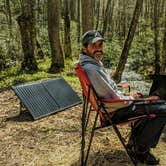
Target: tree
[163, 64]
[78, 22]
[8, 8]
[9, 39]
[87, 15]
[26, 22]
[40, 54]
[67, 40]
[123, 58]
[72, 7]
[124, 19]
[156, 33]
[106, 16]
[97, 11]
[110, 22]
[54, 11]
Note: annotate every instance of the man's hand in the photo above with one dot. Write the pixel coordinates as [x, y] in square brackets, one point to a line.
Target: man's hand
[135, 94]
[152, 98]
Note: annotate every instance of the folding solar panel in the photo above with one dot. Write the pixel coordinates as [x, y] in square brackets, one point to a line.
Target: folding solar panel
[62, 93]
[47, 97]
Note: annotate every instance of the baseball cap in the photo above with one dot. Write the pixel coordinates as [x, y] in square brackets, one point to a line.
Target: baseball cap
[91, 37]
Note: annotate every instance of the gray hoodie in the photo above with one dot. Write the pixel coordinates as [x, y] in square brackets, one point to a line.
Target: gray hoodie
[100, 79]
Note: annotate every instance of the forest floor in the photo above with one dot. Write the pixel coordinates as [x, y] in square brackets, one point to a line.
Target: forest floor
[55, 140]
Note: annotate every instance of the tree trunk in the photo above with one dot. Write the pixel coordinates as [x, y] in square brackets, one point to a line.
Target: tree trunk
[123, 58]
[40, 54]
[87, 15]
[106, 16]
[9, 43]
[67, 40]
[57, 63]
[111, 22]
[156, 40]
[72, 6]
[26, 22]
[119, 20]
[9, 18]
[78, 22]
[124, 20]
[163, 63]
[2, 63]
[97, 14]
[146, 9]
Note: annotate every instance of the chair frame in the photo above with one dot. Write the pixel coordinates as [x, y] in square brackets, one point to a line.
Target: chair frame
[97, 105]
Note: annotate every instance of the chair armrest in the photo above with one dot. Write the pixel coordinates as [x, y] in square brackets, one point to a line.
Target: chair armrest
[110, 100]
[152, 98]
[142, 100]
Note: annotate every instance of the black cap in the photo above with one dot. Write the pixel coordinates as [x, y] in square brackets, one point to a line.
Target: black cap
[91, 37]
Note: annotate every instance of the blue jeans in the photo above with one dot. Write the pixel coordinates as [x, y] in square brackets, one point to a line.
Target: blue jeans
[146, 132]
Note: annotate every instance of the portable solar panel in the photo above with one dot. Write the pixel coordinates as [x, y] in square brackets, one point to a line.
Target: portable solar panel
[47, 97]
[63, 94]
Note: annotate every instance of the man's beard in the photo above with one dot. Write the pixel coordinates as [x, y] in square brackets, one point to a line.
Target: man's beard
[95, 55]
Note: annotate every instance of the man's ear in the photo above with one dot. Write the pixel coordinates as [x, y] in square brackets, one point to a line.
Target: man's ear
[84, 49]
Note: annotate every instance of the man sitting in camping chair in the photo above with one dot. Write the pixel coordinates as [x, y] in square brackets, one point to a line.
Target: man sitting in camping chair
[146, 133]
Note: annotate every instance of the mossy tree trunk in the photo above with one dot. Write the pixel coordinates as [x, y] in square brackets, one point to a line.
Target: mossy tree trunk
[26, 22]
[163, 62]
[87, 15]
[78, 22]
[156, 38]
[106, 16]
[54, 12]
[67, 40]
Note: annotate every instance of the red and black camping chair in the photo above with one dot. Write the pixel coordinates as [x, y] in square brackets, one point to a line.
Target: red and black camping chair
[91, 102]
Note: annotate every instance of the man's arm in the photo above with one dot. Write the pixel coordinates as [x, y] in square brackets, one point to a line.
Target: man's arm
[102, 85]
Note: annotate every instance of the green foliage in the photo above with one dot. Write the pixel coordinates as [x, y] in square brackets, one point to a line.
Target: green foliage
[141, 55]
[140, 59]
[12, 76]
[112, 51]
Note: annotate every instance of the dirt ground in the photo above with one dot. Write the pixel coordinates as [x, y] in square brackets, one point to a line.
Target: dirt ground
[55, 140]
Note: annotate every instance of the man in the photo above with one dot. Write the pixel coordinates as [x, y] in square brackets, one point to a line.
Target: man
[146, 132]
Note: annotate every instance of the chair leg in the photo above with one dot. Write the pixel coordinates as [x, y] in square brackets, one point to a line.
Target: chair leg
[134, 161]
[91, 138]
[83, 131]
[122, 140]
[87, 119]
[85, 154]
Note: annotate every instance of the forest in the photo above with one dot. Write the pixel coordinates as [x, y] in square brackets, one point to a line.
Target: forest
[41, 40]
[36, 33]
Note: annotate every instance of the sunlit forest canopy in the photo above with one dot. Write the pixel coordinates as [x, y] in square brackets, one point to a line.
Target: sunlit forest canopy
[44, 36]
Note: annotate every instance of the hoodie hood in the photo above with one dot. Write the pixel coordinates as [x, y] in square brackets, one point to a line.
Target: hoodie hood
[85, 59]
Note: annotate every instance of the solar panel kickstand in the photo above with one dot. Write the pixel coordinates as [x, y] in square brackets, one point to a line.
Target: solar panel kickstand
[22, 107]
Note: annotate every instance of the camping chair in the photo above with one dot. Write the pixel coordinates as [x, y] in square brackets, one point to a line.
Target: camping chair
[91, 101]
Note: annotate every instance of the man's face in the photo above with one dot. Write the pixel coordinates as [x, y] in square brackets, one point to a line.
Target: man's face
[95, 50]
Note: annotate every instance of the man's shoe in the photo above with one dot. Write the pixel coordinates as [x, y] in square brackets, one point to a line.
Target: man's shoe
[152, 160]
[141, 154]
[130, 149]
[147, 158]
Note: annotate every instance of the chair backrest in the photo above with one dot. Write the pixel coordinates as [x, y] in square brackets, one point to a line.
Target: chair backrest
[86, 87]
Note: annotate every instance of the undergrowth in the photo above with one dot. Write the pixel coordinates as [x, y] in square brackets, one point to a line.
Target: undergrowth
[13, 76]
